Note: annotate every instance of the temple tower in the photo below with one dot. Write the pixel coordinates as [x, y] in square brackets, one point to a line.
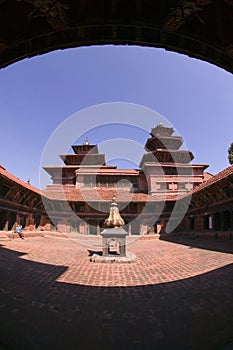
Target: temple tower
[86, 160]
[167, 167]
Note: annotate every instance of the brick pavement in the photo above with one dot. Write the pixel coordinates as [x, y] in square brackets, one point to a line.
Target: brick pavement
[175, 296]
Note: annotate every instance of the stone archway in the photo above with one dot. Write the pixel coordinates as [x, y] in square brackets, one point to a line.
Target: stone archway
[198, 28]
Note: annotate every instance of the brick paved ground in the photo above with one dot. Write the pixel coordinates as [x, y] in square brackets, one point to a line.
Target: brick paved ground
[174, 297]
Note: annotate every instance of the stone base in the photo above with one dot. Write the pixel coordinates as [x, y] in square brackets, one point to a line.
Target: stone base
[4, 237]
[129, 258]
[154, 236]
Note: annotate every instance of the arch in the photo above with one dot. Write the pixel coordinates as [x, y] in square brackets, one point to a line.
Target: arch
[200, 28]
[113, 246]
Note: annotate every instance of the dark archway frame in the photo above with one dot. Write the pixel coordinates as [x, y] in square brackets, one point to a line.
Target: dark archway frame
[201, 29]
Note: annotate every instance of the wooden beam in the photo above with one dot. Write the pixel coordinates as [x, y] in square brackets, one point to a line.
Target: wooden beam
[184, 10]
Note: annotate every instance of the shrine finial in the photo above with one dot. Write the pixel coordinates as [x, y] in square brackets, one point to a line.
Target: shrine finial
[114, 219]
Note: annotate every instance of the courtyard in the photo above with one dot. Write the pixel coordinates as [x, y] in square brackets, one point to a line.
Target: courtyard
[177, 295]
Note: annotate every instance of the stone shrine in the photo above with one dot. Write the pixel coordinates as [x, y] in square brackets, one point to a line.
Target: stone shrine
[114, 239]
[114, 233]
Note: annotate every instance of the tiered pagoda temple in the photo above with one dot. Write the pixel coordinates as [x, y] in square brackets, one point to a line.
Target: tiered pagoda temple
[167, 167]
[88, 185]
[87, 169]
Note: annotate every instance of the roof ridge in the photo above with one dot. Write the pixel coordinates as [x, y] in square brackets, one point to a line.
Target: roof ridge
[11, 177]
[221, 175]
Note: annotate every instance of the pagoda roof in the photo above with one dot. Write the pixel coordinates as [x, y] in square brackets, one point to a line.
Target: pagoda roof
[167, 156]
[66, 168]
[84, 149]
[91, 169]
[161, 130]
[163, 141]
[175, 165]
[83, 159]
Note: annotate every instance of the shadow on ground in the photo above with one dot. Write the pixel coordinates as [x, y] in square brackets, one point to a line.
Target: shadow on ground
[199, 242]
[37, 312]
[92, 252]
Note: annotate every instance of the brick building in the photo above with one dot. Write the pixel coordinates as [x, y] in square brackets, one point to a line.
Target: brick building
[78, 199]
[19, 203]
[210, 213]
[145, 196]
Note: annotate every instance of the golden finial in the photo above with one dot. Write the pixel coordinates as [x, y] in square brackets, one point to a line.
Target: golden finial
[86, 142]
[114, 219]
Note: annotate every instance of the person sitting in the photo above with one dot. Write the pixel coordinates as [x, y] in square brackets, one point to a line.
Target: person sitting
[19, 231]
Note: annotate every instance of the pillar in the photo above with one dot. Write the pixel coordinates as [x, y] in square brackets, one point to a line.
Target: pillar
[122, 248]
[83, 228]
[6, 226]
[143, 229]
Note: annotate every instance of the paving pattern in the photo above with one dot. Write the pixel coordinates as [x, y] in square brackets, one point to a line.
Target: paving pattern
[177, 295]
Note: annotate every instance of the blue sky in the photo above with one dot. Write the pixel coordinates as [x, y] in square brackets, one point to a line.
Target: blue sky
[38, 94]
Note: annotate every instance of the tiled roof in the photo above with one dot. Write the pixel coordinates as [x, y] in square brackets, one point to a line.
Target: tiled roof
[91, 169]
[207, 175]
[94, 194]
[15, 179]
[101, 194]
[214, 179]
